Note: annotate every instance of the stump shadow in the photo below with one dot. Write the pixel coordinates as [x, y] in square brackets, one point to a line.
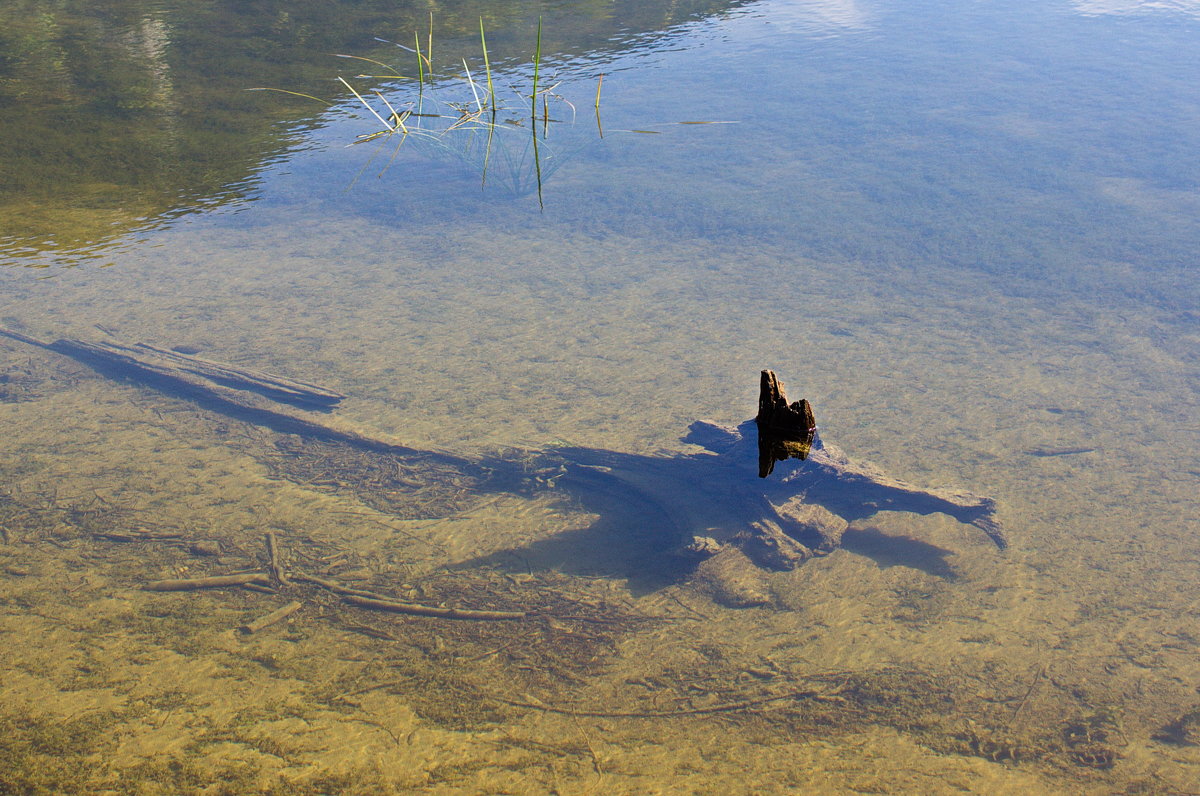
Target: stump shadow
[900, 551]
[632, 540]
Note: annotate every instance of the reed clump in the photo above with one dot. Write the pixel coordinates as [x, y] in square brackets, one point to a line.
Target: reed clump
[476, 116]
[433, 114]
[471, 115]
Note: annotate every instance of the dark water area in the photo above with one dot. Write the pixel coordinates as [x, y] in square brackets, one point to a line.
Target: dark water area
[966, 233]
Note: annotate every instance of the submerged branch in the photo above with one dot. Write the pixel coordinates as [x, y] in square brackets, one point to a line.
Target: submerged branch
[731, 707]
[429, 610]
[212, 582]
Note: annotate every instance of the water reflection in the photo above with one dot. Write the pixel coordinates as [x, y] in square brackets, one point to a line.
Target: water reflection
[118, 116]
[1091, 7]
[818, 18]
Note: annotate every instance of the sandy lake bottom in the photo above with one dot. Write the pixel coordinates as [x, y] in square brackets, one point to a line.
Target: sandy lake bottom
[918, 658]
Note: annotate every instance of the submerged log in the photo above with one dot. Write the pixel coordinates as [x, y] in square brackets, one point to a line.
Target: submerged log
[382, 602]
[274, 567]
[278, 615]
[434, 611]
[212, 582]
[137, 536]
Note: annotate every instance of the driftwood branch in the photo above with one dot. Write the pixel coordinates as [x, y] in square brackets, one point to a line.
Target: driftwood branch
[274, 567]
[853, 484]
[212, 582]
[336, 588]
[278, 615]
[137, 536]
[275, 576]
[363, 599]
[730, 707]
[380, 602]
[429, 610]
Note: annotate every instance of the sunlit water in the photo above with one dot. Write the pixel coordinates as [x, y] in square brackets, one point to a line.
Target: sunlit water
[966, 233]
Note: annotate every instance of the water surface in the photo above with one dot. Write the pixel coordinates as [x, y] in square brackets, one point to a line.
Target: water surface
[966, 233]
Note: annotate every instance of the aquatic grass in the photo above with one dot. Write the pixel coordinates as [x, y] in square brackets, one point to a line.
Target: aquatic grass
[491, 91]
[475, 117]
[537, 62]
[293, 93]
[368, 106]
[537, 165]
[469, 129]
[420, 60]
[394, 73]
[537, 160]
[487, 66]
[397, 118]
[471, 81]
[429, 44]
[599, 85]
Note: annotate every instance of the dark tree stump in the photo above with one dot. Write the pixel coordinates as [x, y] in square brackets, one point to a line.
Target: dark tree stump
[785, 431]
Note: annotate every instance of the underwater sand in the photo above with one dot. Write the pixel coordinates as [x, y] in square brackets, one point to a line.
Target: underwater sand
[918, 658]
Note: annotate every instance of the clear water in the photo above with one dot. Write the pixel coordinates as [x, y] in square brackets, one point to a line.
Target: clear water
[965, 232]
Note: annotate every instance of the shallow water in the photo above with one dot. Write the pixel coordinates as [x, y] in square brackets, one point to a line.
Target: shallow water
[965, 233]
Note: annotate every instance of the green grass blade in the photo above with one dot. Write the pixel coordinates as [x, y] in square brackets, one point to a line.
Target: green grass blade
[487, 66]
[389, 67]
[537, 61]
[293, 93]
[420, 60]
[471, 80]
[537, 160]
[396, 118]
[487, 152]
[367, 104]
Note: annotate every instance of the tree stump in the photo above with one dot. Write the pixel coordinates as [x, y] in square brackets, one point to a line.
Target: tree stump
[785, 431]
